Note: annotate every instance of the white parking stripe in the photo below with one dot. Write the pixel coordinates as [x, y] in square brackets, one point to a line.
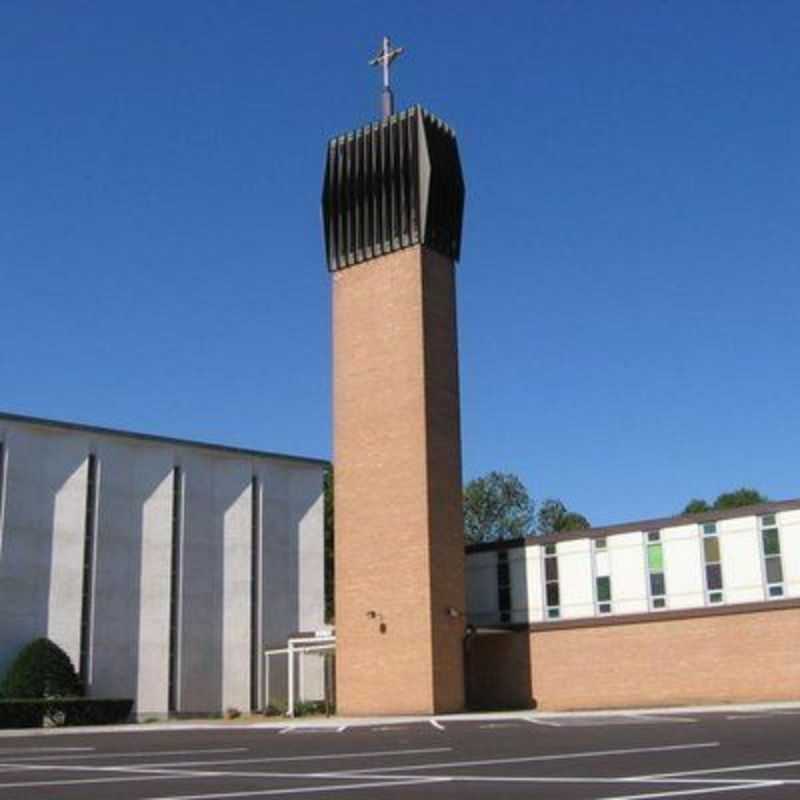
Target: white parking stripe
[24, 750]
[535, 721]
[321, 757]
[149, 753]
[688, 792]
[714, 771]
[300, 790]
[437, 725]
[162, 771]
[529, 759]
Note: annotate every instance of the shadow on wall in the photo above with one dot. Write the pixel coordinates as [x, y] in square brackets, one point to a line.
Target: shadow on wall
[497, 658]
[499, 674]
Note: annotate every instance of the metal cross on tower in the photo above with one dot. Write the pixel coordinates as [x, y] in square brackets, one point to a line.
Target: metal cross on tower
[385, 56]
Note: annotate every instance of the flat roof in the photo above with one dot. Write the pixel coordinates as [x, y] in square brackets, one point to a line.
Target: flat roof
[640, 525]
[149, 437]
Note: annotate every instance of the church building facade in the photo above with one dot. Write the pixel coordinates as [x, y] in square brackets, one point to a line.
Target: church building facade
[164, 568]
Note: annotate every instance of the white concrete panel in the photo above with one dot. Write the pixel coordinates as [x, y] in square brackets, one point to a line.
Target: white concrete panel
[308, 508]
[154, 476]
[290, 498]
[575, 578]
[628, 570]
[213, 484]
[535, 585]
[38, 595]
[69, 536]
[236, 601]
[789, 526]
[742, 568]
[481, 576]
[131, 586]
[683, 566]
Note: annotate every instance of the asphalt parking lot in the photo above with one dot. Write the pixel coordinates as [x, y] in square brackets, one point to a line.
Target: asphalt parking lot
[632, 757]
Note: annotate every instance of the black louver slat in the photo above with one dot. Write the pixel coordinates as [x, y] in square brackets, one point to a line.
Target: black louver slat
[376, 181]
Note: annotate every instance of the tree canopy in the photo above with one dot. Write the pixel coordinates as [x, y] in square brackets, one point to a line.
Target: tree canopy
[737, 498]
[497, 506]
[553, 517]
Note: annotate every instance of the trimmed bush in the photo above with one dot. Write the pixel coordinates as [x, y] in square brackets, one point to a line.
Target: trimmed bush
[42, 669]
[75, 711]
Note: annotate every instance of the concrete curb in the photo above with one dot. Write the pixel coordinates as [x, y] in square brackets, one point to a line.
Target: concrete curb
[334, 723]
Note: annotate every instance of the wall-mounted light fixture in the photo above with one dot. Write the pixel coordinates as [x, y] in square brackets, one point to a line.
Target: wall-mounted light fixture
[377, 615]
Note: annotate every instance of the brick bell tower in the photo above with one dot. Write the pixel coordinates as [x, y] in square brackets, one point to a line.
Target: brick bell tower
[393, 201]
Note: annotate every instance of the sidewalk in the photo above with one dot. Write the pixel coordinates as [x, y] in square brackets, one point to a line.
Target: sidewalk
[441, 720]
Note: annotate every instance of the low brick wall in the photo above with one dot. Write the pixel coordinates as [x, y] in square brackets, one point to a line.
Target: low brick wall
[725, 655]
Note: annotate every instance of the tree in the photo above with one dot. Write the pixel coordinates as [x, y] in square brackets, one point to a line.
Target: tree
[572, 521]
[735, 499]
[41, 669]
[553, 517]
[739, 497]
[327, 486]
[497, 506]
[696, 506]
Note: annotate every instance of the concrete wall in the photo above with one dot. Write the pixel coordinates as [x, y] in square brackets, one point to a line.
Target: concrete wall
[684, 569]
[671, 658]
[42, 539]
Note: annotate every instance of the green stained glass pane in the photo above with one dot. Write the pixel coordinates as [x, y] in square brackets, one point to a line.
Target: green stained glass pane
[655, 558]
[711, 546]
[772, 544]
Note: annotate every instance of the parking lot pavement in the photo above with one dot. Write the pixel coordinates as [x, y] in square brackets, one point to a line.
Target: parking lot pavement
[619, 757]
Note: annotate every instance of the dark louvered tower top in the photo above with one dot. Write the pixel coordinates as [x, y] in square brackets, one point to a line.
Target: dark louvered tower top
[390, 185]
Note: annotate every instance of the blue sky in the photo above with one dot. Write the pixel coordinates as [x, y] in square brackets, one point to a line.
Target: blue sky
[629, 286]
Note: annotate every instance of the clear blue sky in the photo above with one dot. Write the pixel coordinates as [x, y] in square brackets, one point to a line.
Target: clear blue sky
[629, 287]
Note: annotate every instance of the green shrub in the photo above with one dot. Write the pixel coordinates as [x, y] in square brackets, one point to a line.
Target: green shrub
[305, 708]
[75, 711]
[42, 669]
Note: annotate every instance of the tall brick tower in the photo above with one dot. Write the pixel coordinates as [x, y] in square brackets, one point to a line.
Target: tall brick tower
[393, 202]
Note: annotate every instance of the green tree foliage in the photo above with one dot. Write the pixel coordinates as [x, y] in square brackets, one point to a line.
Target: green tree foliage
[553, 517]
[42, 669]
[738, 498]
[735, 499]
[696, 506]
[497, 506]
[327, 484]
[572, 521]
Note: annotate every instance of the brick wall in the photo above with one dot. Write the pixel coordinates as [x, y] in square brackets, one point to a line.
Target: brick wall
[715, 658]
[399, 529]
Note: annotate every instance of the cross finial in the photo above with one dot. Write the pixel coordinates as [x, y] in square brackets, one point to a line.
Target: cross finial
[385, 56]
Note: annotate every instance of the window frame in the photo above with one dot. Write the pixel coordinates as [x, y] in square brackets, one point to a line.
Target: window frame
[655, 601]
[716, 596]
[773, 590]
[551, 611]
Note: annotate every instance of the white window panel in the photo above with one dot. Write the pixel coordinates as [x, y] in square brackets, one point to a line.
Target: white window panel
[526, 585]
[741, 560]
[575, 578]
[683, 566]
[628, 572]
[602, 563]
[789, 527]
